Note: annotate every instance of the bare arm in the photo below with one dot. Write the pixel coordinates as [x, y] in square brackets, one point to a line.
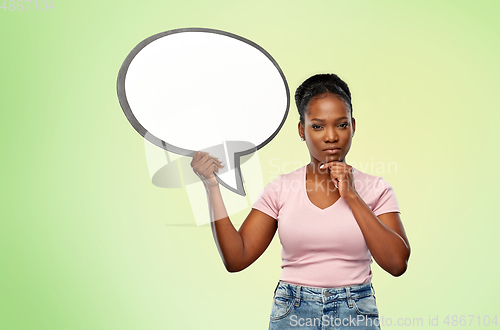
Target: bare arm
[237, 248]
[384, 235]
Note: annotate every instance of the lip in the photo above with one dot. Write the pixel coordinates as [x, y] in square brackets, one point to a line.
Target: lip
[332, 151]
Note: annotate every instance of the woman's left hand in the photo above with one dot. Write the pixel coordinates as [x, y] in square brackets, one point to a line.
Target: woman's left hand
[341, 175]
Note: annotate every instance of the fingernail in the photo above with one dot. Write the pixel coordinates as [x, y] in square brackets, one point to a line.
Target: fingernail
[321, 166]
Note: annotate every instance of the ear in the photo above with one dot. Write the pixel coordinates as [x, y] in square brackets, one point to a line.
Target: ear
[301, 130]
[353, 125]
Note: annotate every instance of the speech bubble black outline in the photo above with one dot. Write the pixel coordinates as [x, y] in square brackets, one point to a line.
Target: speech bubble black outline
[122, 98]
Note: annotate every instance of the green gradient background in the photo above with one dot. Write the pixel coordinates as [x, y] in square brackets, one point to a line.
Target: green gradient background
[84, 239]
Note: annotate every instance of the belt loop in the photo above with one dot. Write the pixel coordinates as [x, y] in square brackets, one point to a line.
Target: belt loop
[297, 302]
[349, 299]
[274, 294]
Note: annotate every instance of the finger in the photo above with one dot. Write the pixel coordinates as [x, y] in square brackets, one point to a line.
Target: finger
[201, 158]
[196, 157]
[339, 168]
[209, 172]
[214, 169]
[207, 165]
[325, 165]
[329, 164]
[215, 160]
[216, 164]
[219, 163]
[205, 158]
[332, 167]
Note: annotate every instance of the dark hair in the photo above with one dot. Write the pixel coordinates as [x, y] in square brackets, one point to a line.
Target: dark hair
[317, 85]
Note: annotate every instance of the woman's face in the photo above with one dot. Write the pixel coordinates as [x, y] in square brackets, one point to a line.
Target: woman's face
[328, 124]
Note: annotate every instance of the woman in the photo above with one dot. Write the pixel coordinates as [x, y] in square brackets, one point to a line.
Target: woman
[331, 219]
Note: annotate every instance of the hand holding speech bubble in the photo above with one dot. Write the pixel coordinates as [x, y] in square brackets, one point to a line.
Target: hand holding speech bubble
[197, 89]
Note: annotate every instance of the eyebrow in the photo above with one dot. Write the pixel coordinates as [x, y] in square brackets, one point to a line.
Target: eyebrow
[321, 120]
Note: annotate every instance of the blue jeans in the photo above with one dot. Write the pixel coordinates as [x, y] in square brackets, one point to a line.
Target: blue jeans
[307, 308]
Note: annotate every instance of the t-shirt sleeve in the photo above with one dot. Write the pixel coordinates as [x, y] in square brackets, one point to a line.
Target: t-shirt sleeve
[268, 200]
[385, 199]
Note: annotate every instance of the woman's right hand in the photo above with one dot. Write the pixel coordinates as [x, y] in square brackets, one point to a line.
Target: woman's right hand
[204, 167]
[238, 248]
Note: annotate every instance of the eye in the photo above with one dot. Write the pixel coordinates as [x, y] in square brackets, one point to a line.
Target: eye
[315, 126]
[341, 125]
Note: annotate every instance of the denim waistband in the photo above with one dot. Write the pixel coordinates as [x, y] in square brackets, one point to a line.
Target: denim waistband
[324, 294]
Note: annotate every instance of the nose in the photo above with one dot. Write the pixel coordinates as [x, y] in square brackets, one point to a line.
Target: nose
[331, 135]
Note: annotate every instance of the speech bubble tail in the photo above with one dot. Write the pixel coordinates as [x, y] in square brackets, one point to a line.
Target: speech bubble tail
[232, 182]
[232, 178]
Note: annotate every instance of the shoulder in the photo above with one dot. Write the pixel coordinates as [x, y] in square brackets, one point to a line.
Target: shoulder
[293, 179]
[376, 192]
[294, 175]
[369, 183]
[287, 181]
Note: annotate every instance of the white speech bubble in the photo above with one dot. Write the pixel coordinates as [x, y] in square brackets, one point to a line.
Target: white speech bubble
[195, 89]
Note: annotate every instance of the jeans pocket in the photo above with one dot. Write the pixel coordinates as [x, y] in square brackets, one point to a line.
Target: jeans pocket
[366, 306]
[282, 305]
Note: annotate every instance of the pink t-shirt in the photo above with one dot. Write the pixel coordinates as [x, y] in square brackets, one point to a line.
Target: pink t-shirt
[323, 248]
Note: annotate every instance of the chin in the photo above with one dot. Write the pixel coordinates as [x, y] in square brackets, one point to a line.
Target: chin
[330, 158]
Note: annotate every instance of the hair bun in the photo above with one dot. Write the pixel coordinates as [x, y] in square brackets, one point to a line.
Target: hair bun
[318, 84]
[325, 79]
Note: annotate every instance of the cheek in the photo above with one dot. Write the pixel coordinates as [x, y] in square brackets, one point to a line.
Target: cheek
[348, 143]
[347, 134]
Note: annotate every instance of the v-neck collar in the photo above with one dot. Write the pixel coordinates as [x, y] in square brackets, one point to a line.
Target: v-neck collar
[304, 189]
